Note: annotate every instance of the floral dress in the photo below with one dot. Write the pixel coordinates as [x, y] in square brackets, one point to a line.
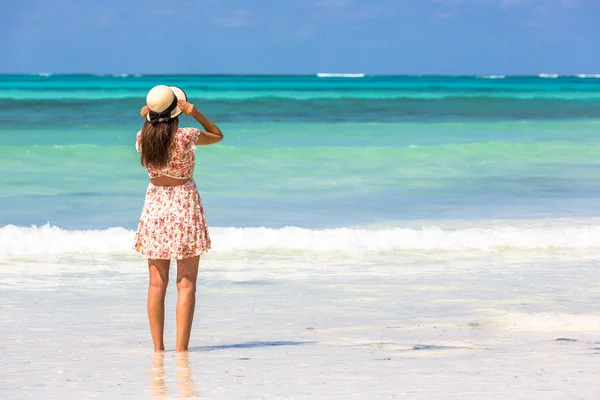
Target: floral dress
[172, 224]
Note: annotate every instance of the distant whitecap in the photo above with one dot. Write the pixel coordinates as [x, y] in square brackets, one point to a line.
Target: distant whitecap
[339, 75]
[491, 76]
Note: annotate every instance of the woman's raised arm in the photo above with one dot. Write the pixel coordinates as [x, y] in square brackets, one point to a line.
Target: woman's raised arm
[212, 134]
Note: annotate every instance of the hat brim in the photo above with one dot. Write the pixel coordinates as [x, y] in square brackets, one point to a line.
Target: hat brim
[180, 94]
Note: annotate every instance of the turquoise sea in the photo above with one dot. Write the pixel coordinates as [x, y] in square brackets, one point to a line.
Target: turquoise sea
[309, 152]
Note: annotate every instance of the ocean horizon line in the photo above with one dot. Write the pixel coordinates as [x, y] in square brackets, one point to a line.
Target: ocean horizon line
[313, 74]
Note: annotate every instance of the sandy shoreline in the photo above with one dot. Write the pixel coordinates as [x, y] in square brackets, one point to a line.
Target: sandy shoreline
[428, 333]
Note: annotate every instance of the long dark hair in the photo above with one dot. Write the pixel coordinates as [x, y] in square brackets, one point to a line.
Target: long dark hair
[156, 143]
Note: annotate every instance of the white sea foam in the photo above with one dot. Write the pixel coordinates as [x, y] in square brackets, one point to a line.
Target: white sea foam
[53, 240]
[597, 76]
[339, 75]
[120, 75]
[548, 76]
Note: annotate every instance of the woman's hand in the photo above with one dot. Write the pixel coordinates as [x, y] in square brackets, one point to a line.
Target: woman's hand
[144, 112]
[186, 108]
[213, 133]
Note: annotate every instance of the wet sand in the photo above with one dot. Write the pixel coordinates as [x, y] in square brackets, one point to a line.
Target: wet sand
[275, 328]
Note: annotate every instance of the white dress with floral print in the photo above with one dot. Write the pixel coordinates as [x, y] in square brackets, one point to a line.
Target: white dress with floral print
[173, 225]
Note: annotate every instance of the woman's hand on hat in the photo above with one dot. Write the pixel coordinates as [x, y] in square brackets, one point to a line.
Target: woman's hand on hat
[144, 112]
[186, 108]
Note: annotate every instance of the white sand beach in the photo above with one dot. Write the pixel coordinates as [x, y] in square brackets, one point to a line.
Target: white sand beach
[462, 326]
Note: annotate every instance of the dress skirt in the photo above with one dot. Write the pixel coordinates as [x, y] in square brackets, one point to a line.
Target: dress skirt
[172, 225]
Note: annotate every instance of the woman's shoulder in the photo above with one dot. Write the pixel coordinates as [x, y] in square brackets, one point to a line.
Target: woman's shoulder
[187, 131]
[187, 134]
[186, 137]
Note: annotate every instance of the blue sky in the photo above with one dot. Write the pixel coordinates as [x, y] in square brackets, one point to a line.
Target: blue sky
[301, 36]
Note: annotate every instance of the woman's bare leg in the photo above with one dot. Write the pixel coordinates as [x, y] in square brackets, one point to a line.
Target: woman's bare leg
[157, 289]
[187, 273]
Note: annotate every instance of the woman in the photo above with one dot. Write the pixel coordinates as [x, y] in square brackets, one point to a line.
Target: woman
[172, 225]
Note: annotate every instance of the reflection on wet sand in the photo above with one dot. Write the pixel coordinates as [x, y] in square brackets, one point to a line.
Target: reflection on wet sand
[183, 371]
[185, 376]
[157, 373]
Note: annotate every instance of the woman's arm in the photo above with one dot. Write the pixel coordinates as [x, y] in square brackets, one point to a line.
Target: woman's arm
[212, 135]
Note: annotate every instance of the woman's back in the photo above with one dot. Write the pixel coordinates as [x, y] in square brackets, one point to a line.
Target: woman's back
[181, 155]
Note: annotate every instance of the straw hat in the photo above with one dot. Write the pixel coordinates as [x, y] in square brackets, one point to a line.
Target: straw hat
[162, 102]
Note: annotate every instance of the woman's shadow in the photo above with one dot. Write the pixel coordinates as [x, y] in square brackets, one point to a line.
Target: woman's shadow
[248, 345]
